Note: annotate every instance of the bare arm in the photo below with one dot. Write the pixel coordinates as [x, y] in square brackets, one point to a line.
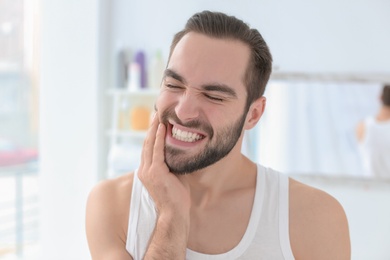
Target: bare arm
[318, 225]
[360, 131]
[172, 200]
[107, 217]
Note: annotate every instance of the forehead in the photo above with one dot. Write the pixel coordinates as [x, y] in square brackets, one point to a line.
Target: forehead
[201, 59]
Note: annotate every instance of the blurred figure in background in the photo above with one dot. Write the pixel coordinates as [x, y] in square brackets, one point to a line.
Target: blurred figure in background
[373, 135]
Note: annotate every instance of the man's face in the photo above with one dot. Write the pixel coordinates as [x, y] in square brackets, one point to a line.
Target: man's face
[221, 143]
[202, 101]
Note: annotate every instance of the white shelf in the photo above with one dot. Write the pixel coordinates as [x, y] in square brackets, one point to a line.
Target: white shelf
[119, 137]
[127, 134]
[138, 93]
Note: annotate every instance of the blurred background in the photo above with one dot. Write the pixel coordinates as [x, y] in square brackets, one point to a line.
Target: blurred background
[78, 80]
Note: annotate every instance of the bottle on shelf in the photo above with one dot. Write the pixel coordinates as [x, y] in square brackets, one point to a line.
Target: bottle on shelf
[156, 70]
[134, 77]
[141, 61]
[123, 117]
[121, 69]
[140, 118]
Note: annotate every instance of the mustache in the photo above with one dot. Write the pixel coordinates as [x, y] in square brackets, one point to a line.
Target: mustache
[197, 124]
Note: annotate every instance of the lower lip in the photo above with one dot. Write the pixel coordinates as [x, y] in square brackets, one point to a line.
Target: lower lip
[174, 142]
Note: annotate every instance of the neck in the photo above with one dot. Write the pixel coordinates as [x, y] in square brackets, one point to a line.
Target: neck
[383, 114]
[235, 171]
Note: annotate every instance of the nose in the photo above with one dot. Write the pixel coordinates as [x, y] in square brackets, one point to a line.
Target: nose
[187, 108]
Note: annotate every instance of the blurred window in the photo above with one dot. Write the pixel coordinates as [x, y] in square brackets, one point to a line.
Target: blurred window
[18, 126]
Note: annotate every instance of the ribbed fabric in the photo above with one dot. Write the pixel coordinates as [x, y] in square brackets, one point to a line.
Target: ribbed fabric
[267, 234]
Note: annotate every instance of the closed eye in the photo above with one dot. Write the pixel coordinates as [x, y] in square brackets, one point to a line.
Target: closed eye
[213, 98]
[170, 86]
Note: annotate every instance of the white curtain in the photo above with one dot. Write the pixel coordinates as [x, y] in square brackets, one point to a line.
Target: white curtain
[309, 127]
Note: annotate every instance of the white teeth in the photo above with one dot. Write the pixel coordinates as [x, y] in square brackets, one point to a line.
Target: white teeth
[185, 136]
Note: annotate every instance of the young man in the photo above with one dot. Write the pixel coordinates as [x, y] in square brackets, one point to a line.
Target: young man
[195, 195]
[373, 135]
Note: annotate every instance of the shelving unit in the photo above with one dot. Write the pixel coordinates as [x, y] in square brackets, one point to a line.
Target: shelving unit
[125, 142]
[126, 134]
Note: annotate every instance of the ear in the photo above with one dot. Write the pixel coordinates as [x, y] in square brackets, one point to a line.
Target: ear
[255, 112]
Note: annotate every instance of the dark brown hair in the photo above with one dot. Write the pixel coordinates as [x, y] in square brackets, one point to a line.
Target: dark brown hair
[386, 95]
[221, 26]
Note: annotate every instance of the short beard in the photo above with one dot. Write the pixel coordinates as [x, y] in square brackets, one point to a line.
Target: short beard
[224, 142]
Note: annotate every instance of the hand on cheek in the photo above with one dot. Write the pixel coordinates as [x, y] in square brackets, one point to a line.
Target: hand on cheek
[168, 193]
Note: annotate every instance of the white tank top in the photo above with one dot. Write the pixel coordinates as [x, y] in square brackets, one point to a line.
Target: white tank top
[266, 236]
[375, 148]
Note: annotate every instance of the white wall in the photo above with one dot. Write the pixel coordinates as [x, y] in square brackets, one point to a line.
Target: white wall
[69, 120]
[305, 36]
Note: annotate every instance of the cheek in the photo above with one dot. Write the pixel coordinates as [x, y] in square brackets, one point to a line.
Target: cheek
[163, 101]
[223, 115]
[158, 103]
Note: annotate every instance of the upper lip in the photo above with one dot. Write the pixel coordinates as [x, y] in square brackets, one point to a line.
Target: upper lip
[183, 128]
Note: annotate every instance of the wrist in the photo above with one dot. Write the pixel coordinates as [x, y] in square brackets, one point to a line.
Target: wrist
[172, 220]
[170, 237]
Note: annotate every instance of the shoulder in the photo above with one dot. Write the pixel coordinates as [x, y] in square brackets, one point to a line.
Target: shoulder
[113, 194]
[360, 131]
[111, 189]
[318, 224]
[107, 215]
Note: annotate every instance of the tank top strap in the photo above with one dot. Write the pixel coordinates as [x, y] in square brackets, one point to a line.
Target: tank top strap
[284, 233]
[133, 216]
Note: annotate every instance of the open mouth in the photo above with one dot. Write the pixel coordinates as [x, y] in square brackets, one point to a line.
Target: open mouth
[185, 135]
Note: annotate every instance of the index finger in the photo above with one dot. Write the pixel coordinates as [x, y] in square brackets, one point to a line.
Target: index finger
[158, 151]
[147, 151]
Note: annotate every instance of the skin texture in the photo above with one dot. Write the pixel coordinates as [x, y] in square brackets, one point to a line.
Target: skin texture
[192, 208]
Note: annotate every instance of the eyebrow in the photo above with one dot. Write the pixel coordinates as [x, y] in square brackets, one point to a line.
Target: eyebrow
[208, 87]
[171, 73]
